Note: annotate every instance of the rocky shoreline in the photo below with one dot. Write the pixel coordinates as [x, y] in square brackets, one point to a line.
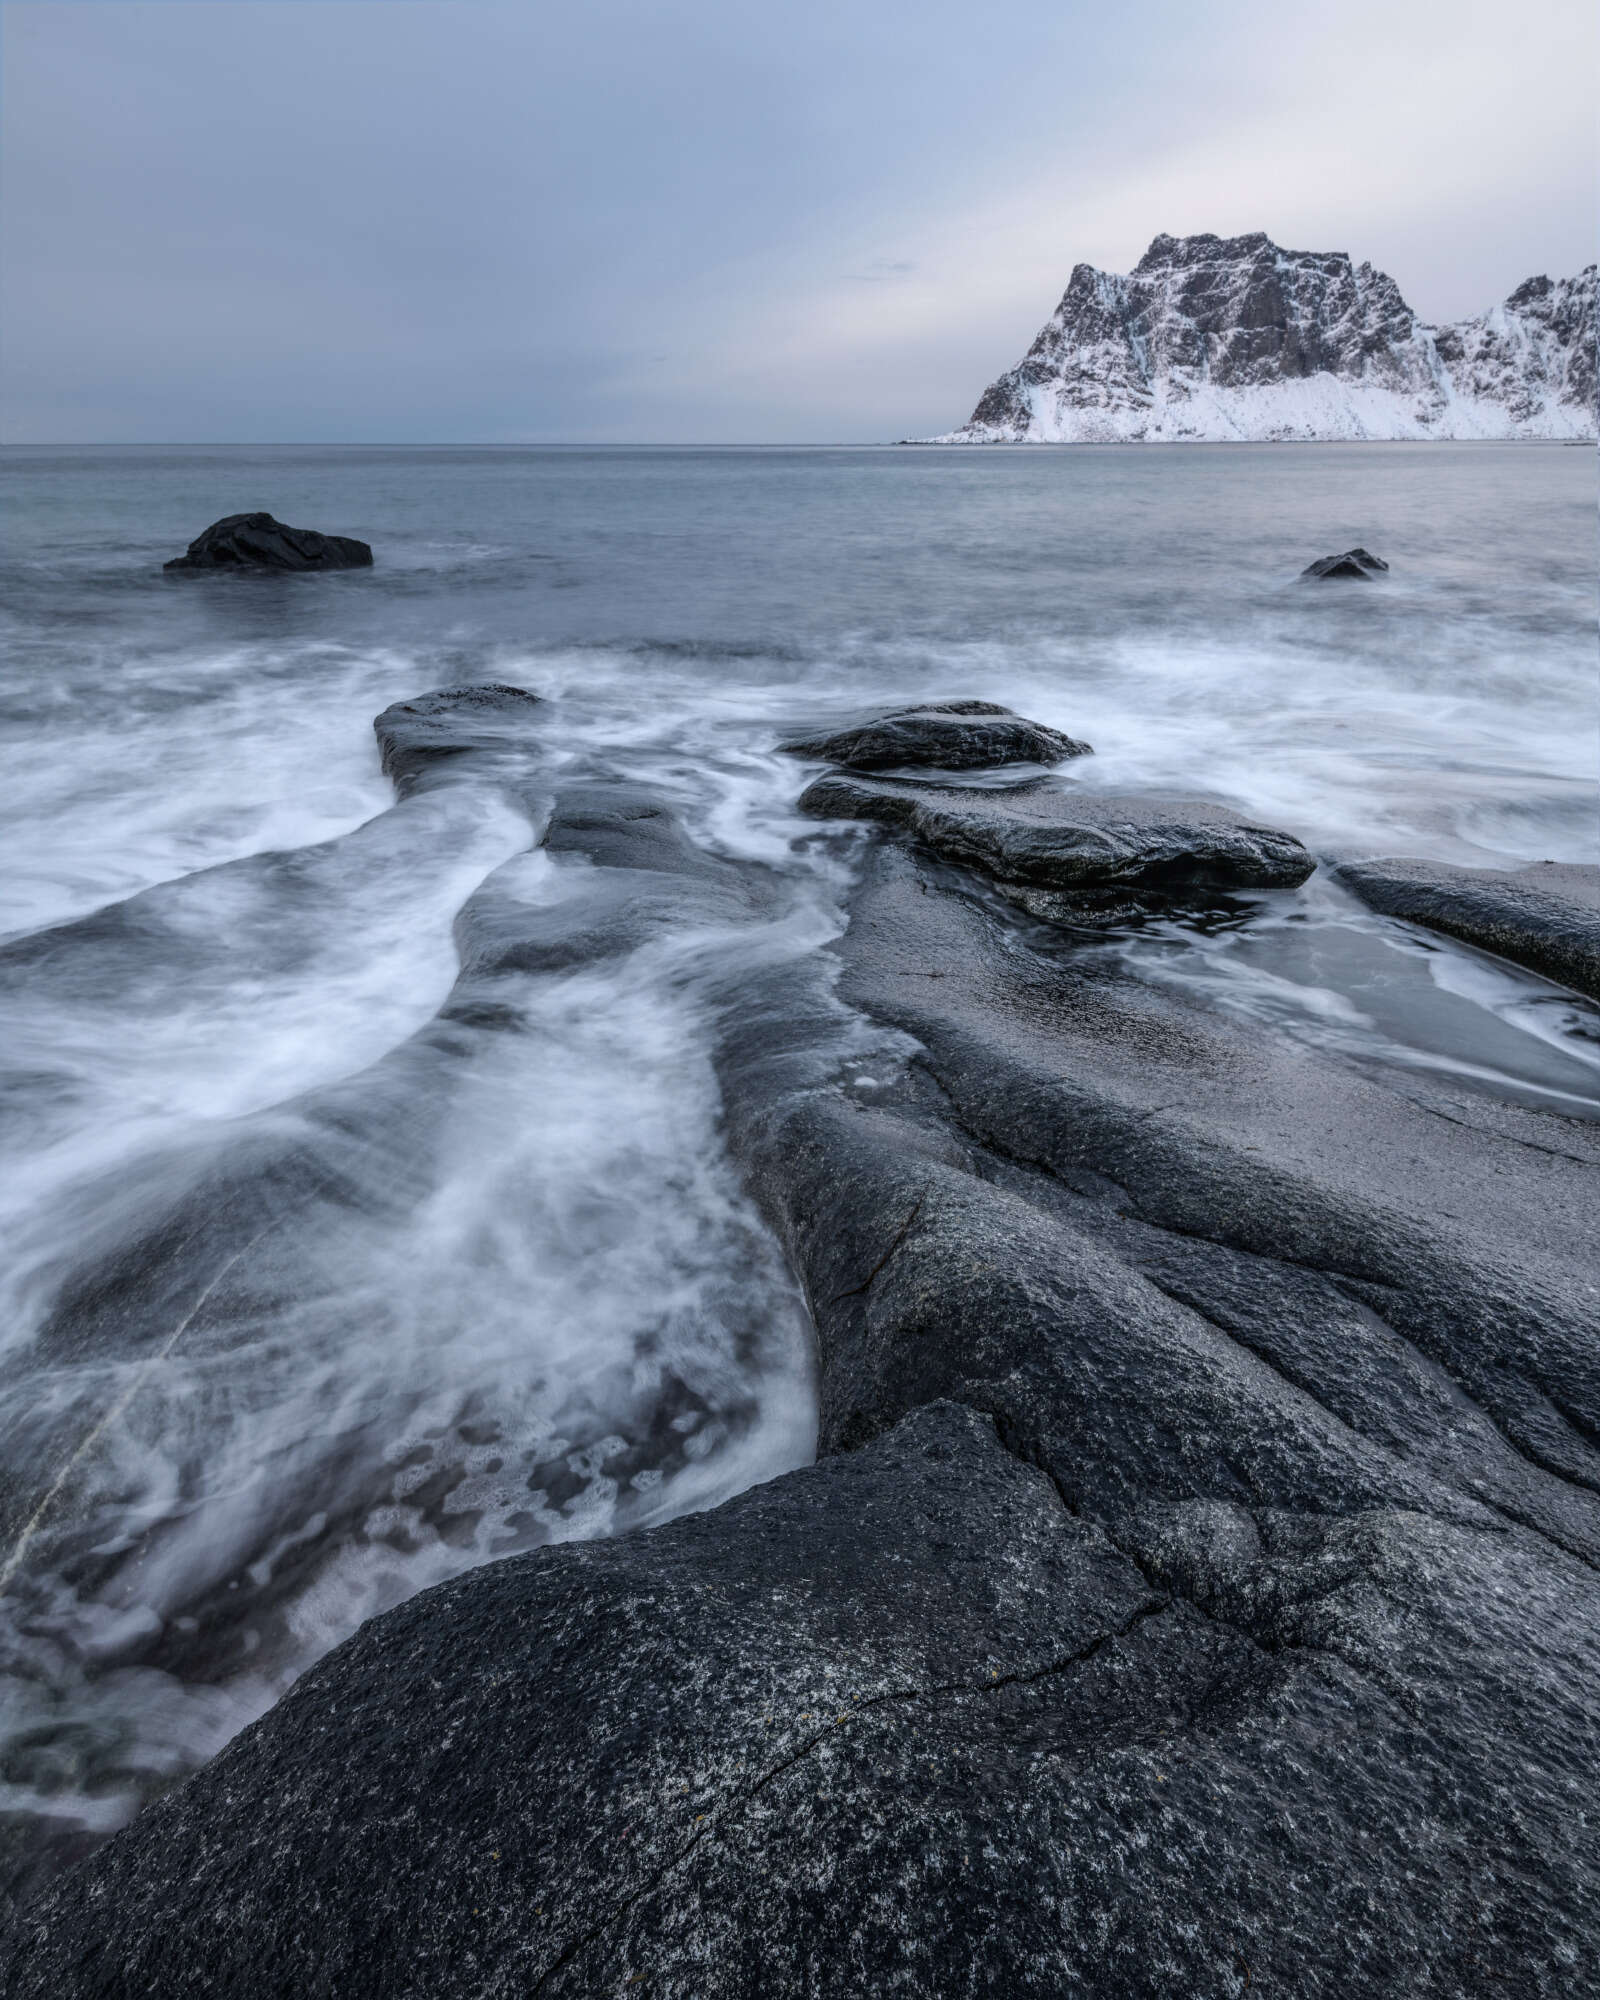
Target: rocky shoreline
[1196, 1591]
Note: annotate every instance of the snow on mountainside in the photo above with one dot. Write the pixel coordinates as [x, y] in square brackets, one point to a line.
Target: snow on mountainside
[1213, 338]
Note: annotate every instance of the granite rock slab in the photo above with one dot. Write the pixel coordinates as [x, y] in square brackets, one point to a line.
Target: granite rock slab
[1546, 917]
[1198, 1589]
[1057, 850]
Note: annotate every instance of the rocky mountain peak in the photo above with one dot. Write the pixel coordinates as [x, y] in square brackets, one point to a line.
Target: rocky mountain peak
[1169, 252]
[1235, 337]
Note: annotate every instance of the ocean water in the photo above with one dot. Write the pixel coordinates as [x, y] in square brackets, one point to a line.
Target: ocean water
[457, 1309]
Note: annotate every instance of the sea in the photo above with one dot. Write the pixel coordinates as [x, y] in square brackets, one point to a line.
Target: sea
[527, 1298]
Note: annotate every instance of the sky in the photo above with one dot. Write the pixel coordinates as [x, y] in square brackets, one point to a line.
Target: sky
[809, 221]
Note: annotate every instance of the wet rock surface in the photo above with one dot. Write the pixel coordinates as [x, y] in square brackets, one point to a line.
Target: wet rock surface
[423, 739]
[1358, 563]
[1060, 853]
[258, 542]
[952, 736]
[900, 1722]
[1546, 917]
[1198, 1590]
[1326, 1219]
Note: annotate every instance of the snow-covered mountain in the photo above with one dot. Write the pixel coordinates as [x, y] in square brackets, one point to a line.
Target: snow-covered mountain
[1217, 338]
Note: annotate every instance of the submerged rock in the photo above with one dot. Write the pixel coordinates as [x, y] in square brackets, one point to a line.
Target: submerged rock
[1546, 917]
[1056, 851]
[951, 735]
[257, 541]
[1354, 562]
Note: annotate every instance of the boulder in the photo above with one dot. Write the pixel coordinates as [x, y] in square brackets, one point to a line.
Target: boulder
[1546, 917]
[257, 541]
[1354, 562]
[950, 735]
[1061, 853]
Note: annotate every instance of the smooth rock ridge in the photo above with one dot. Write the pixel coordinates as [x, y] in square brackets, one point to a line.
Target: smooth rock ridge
[1059, 854]
[422, 739]
[1546, 917]
[947, 735]
[1354, 562]
[1213, 338]
[257, 541]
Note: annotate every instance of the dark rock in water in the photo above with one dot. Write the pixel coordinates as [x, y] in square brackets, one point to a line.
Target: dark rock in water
[421, 739]
[649, 879]
[952, 735]
[1054, 851]
[1546, 917]
[1354, 562]
[257, 541]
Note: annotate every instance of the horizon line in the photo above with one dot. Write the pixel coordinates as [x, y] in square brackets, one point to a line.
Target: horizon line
[725, 444]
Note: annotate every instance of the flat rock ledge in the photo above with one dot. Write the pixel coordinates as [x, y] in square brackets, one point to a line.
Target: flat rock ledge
[947, 735]
[1059, 853]
[443, 732]
[258, 542]
[1546, 917]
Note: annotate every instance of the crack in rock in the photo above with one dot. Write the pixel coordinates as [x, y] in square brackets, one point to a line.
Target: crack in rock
[895, 1242]
[1152, 1608]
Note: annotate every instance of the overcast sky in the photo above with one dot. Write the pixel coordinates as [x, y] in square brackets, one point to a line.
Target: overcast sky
[665, 220]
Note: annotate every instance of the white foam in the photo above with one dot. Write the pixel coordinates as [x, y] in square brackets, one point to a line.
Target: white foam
[577, 1246]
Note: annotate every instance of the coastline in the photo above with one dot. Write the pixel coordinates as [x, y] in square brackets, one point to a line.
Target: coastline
[1133, 1335]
